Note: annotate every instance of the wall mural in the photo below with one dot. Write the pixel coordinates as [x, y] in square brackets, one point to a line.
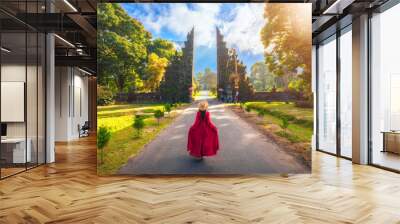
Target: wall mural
[204, 88]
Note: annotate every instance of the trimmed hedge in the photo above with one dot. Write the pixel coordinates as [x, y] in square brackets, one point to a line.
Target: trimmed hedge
[290, 137]
[281, 115]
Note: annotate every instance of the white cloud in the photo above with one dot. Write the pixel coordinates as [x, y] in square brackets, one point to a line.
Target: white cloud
[152, 25]
[243, 32]
[180, 19]
[178, 46]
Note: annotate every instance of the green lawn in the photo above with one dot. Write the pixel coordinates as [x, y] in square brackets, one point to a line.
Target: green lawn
[300, 127]
[124, 143]
[287, 108]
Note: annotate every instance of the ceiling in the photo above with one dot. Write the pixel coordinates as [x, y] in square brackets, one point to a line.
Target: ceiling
[330, 15]
[73, 21]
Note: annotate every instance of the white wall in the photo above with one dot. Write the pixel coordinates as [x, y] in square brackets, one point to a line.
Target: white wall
[13, 73]
[33, 126]
[71, 102]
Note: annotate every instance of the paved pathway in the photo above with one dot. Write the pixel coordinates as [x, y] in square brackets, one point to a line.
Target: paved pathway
[243, 149]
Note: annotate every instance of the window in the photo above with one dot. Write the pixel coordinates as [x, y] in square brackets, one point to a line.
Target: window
[346, 92]
[385, 89]
[327, 95]
[22, 77]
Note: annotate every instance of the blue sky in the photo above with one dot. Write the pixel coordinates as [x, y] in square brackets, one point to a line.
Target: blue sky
[240, 23]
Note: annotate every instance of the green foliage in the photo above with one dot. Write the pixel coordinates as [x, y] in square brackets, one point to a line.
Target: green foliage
[128, 59]
[247, 108]
[288, 53]
[103, 136]
[122, 145]
[138, 125]
[158, 114]
[285, 123]
[207, 80]
[261, 113]
[292, 138]
[104, 96]
[154, 72]
[163, 48]
[272, 109]
[300, 120]
[122, 48]
[261, 78]
[167, 108]
[195, 86]
[177, 85]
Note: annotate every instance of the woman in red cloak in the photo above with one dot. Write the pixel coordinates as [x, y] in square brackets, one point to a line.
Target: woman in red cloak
[203, 135]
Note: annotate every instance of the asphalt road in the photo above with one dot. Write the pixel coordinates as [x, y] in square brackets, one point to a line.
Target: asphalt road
[243, 149]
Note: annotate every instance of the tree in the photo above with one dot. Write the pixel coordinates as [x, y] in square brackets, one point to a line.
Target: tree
[158, 114]
[138, 125]
[155, 72]
[122, 49]
[287, 40]
[177, 85]
[207, 80]
[210, 80]
[195, 85]
[103, 136]
[104, 95]
[261, 78]
[200, 80]
[168, 87]
[163, 48]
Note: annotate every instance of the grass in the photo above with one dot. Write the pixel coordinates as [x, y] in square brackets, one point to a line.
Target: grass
[124, 143]
[127, 109]
[290, 109]
[300, 127]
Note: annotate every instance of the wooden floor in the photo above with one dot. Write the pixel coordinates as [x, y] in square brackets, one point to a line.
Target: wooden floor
[69, 191]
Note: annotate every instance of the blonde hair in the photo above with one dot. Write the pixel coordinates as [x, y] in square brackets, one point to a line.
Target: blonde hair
[203, 105]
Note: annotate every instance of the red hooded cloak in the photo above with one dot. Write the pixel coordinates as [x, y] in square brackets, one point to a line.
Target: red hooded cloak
[203, 137]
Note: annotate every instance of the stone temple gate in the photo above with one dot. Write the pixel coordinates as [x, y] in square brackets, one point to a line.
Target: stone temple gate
[177, 83]
[232, 82]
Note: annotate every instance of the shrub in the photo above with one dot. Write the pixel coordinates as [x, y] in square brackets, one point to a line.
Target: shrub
[282, 115]
[158, 114]
[288, 136]
[103, 136]
[304, 123]
[138, 125]
[242, 105]
[104, 96]
[261, 113]
[167, 108]
[285, 123]
[247, 108]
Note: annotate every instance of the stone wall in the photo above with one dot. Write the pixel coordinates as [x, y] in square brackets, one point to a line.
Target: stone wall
[276, 96]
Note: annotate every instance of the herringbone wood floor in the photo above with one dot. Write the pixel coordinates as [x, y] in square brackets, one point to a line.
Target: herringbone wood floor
[69, 191]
